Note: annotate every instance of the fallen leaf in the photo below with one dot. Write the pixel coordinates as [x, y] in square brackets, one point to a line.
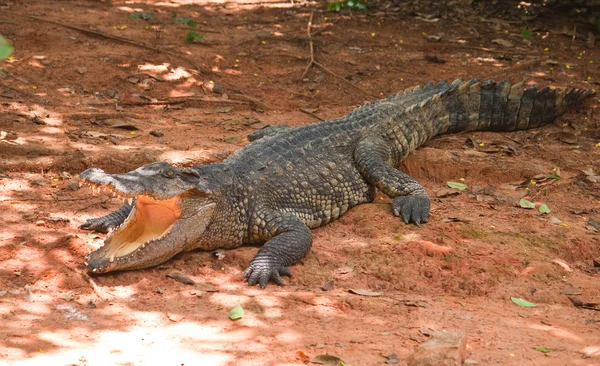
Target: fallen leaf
[175, 317]
[542, 349]
[326, 360]
[218, 110]
[526, 204]
[503, 42]
[571, 290]
[365, 292]
[206, 287]
[180, 277]
[457, 185]
[392, 359]
[567, 137]
[563, 264]
[523, 303]
[544, 209]
[344, 270]
[594, 223]
[327, 286]
[584, 305]
[236, 313]
[446, 192]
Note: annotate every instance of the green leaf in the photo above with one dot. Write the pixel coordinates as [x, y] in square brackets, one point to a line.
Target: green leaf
[457, 185]
[356, 5]
[543, 349]
[236, 313]
[544, 209]
[5, 48]
[526, 33]
[526, 204]
[554, 176]
[139, 14]
[523, 303]
[335, 6]
[193, 36]
[184, 20]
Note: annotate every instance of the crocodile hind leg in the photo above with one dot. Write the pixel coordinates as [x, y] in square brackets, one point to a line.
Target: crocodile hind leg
[104, 223]
[374, 158]
[288, 241]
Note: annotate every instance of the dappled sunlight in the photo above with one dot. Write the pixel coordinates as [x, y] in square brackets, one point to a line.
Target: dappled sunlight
[591, 351]
[157, 69]
[558, 332]
[229, 300]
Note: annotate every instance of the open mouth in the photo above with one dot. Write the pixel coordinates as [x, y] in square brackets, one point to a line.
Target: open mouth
[150, 220]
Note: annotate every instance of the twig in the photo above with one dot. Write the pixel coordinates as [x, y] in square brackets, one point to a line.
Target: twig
[97, 290]
[314, 62]
[44, 200]
[310, 47]
[107, 36]
[517, 67]
[248, 98]
[169, 102]
[310, 114]
[91, 205]
[325, 27]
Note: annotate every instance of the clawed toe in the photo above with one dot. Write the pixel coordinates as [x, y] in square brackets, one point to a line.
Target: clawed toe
[412, 209]
[262, 274]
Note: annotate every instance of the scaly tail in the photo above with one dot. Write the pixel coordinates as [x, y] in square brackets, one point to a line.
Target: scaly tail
[491, 106]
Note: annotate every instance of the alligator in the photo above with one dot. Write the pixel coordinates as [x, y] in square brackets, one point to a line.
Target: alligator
[291, 180]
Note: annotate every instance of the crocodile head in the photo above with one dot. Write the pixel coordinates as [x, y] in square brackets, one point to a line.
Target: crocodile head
[172, 206]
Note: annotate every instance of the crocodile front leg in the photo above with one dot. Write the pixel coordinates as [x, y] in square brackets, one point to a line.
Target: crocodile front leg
[374, 158]
[288, 241]
[104, 223]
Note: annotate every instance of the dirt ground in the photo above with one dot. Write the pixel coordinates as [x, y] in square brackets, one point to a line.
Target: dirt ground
[89, 87]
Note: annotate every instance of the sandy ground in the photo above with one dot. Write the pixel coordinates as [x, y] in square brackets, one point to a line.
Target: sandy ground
[89, 87]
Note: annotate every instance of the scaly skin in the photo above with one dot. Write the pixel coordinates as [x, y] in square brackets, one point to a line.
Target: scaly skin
[291, 180]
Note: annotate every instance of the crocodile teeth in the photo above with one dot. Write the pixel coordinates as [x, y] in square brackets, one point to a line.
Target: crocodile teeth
[130, 201]
[111, 259]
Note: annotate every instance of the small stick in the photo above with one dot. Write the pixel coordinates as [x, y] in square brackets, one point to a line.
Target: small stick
[518, 67]
[310, 47]
[311, 114]
[97, 290]
[91, 205]
[314, 62]
[169, 102]
[106, 36]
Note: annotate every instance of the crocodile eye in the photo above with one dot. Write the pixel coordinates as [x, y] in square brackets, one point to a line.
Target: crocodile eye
[169, 174]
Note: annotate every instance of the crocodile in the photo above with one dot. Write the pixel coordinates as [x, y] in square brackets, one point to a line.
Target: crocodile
[291, 180]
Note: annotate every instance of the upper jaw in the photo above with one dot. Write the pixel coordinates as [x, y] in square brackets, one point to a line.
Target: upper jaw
[158, 180]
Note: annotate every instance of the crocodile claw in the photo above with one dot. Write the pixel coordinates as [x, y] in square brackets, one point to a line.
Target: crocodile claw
[99, 224]
[262, 271]
[413, 209]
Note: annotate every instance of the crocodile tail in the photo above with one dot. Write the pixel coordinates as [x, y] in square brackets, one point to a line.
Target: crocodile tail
[497, 106]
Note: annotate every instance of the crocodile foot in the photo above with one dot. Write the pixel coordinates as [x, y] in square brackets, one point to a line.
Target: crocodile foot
[413, 209]
[261, 271]
[98, 224]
